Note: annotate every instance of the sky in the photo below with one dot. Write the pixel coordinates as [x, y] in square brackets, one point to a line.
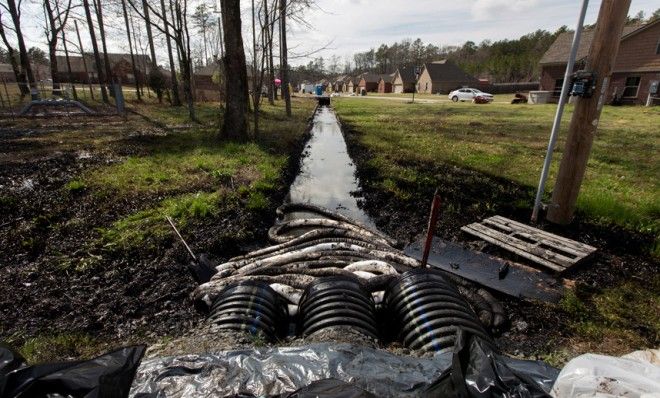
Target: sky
[357, 25]
[343, 27]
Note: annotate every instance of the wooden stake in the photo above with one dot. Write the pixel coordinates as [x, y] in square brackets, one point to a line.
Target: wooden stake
[433, 220]
[584, 123]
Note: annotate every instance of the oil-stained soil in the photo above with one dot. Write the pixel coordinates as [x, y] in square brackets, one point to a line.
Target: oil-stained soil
[469, 196]
[49, 232]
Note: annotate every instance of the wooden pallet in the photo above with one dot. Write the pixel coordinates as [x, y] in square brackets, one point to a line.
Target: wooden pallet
[549, 250]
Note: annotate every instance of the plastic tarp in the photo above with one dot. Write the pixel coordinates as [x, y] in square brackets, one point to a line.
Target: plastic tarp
[473, 370]
[107, 376]
[275, 371]
[477, 371]
[636, 375]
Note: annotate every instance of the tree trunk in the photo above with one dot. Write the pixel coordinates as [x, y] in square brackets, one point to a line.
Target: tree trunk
[11, 52]
[66, 55]
[268, 33]
[130, 48]
[150, 37]
[52, 47]
[235, 124]
[108, 67]
[176, 100]
[284, 63]
[25, 60]
[95, 48]
[82, 54]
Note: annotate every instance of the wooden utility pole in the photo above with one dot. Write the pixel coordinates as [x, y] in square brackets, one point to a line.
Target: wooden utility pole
[584, 123]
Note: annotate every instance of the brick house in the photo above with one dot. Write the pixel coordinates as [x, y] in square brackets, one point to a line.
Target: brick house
[636, 65]
[120, 65]
[368, 82]
[441, 77]
[385, 83]
[351, 83]
[404, 80]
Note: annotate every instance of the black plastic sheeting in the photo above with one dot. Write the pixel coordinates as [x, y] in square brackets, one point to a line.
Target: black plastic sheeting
[318, 370]
[331, 370]
[107, 376]
[478, 372]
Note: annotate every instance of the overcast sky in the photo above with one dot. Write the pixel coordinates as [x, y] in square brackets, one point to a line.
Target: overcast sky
[357, 25]
[349, 26]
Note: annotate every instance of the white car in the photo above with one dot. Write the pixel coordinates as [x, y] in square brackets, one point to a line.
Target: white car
[468, 94]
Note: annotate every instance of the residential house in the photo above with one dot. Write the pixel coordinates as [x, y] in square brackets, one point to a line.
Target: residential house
[636, 66]
[7, 73]
[350, 85]
[385, 83]
[120, 65]
[404, 80]
[441, 77]
[368, 82]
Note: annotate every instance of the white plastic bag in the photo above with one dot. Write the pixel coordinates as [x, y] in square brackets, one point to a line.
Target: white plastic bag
[636, 375]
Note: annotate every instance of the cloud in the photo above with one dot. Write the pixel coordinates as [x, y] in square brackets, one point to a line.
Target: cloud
[485, 10]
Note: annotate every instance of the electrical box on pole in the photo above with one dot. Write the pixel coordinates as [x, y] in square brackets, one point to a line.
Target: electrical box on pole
[584, 123]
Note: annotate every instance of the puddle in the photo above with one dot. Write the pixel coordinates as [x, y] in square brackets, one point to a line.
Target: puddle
[327, 173]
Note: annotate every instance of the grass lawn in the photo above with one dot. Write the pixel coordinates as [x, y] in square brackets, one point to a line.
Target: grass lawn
[510, 141]
[498, 151]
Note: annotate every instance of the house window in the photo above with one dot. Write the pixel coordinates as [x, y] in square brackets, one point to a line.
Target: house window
[559, 83]
[657, 48]
[632, 87]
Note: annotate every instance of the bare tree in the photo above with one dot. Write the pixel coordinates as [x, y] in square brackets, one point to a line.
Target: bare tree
[55, 22]
[84, 59]
[235, 124]
[202, 21]
[12, 55]
[95, 48]
[176, 100]
[106, 58]
[130, 48]
[150, 37]
[66, 55]
[13, 10]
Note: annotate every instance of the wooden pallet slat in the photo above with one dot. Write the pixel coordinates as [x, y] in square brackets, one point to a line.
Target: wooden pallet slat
[549, 250]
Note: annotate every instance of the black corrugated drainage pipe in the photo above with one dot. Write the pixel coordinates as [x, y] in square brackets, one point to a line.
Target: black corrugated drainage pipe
[428, 310]
[337, 301]
[253, 307]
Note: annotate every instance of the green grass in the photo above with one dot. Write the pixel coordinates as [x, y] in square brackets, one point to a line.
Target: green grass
[198, 175]
[57, 347]
[624, 315]
[510, 141]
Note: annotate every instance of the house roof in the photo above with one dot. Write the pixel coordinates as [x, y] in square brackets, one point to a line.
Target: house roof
[560, 50]
[447, 71]
[407, 74]
[6, 68]
[387, 77]
[370, 77]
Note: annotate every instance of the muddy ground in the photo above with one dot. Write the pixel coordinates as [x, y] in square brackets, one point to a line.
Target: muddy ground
[467, 196]
[124, 297]
[144, 296]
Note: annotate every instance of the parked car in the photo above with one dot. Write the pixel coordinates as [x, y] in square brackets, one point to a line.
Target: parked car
[468, 94]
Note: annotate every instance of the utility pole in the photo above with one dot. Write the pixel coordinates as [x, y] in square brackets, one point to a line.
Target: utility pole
[284, 62]
[584, 123]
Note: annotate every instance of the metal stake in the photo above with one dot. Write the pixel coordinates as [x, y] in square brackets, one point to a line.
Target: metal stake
[433, 220]
[176, 231]
[560, 111]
